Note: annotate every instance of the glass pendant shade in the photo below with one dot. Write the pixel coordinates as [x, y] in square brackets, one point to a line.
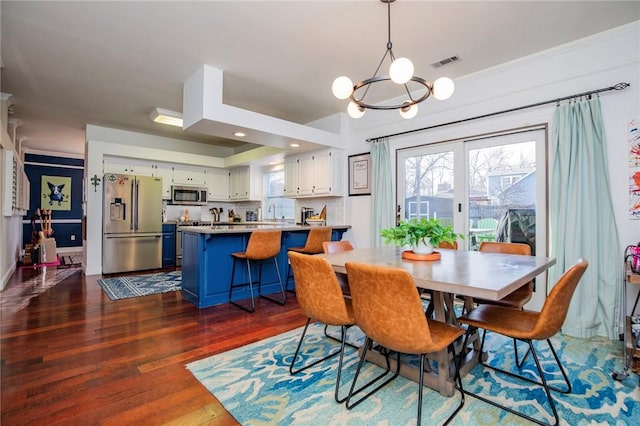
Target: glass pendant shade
[342, 87]
[408, 112]
[355, 110]
[443, 88]
[401, 70]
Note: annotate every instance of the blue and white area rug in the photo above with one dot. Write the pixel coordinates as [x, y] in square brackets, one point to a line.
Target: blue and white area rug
[141, 285]
[253, 383]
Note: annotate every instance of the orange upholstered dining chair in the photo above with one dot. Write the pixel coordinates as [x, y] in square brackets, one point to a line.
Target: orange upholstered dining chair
[387, 308]
[521, 296]
[518, 298]
[336, 247]
[320, 297]
[263, 246]
[316, 237]
[448, 245]
[528, 326]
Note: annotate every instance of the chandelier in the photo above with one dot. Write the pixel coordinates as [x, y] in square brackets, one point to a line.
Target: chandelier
[401, 73]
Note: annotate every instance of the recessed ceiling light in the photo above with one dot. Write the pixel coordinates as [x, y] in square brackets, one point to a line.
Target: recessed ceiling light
[240, 134]
[165, 116]
[294, 145]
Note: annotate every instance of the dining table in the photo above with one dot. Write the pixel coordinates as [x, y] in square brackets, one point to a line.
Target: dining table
[463, 273]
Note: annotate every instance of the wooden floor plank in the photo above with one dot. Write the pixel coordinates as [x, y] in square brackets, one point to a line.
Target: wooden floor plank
[70, 355]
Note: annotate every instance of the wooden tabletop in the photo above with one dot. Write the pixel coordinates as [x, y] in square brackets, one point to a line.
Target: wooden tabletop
[466, 273]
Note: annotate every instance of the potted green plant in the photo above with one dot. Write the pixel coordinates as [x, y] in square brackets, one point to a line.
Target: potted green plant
[421, 234]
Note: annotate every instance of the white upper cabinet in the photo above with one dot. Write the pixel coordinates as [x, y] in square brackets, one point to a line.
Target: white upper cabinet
[305, 175]
[189, 175]
[217, 184]
[245, 183]
[130, 166]
[291, 177]
[316, 174]
[165, 171]
[127, 166]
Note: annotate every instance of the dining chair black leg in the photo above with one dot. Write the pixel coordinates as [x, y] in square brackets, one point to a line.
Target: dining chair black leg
[326, 333]
[542, 382]
[353, 391]
[457, 379]
[520, 362]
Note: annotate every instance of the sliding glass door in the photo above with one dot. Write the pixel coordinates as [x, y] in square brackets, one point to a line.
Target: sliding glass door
[491, 188]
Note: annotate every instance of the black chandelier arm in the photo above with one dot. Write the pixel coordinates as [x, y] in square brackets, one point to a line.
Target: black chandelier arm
[406, 88]
[375, 75]
[368, 82]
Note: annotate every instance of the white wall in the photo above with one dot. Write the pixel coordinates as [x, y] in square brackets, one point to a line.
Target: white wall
[591, 63]
[10, 226]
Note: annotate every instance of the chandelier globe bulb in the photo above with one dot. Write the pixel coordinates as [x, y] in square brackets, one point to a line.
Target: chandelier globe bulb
[408, 111]
[401, 70]
[342, 87]
[443, 88]
[355, 110]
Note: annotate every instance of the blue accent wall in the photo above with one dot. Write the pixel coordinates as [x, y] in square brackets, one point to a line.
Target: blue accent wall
[35, 167]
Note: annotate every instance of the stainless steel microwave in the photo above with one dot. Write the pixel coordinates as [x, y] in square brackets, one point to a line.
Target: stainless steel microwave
[188, 195]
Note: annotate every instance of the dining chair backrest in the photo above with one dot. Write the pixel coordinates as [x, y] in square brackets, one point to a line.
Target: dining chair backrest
[555, 308]
[448, 245]
[317, 236]
[263, 244]
[336, 246]
[507, 248]
[388, 308]
[317, 289]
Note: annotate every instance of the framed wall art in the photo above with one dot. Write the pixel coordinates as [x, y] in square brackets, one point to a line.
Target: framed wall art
[360, 174]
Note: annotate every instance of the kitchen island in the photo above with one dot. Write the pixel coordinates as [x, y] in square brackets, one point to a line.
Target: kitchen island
[207, 261]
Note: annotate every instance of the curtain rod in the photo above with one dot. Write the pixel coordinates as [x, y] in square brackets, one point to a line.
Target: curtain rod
[619, 86]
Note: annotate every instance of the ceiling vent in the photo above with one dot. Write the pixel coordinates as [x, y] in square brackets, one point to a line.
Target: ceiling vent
[446, 61]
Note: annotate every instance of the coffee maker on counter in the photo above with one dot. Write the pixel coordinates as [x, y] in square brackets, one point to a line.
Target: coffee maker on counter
[305, 213]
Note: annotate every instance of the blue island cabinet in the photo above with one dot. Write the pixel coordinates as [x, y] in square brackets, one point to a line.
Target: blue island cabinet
[168, 245]
[207, 263]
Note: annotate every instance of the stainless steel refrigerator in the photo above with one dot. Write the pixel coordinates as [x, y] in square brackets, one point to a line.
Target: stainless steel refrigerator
[132, 225]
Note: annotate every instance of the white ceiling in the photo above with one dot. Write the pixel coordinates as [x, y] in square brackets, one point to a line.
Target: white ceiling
[68, 64]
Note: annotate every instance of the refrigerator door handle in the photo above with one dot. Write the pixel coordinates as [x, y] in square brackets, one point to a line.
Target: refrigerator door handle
[137, 198]
[133, 206]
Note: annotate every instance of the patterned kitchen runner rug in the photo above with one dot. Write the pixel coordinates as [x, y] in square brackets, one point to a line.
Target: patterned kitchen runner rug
[141, 285]
[253, 383]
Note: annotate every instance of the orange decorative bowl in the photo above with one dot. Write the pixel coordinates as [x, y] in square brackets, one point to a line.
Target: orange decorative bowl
[410, 255]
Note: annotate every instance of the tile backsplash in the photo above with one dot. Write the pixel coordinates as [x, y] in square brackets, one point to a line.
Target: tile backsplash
[335, 210]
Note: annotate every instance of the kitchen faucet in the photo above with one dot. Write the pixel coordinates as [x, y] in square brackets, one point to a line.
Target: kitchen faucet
[274, 211]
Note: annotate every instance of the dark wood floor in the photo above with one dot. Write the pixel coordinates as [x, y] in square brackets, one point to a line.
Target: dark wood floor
[73, 356]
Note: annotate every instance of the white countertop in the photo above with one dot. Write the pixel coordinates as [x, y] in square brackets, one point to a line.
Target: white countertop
[250, 227]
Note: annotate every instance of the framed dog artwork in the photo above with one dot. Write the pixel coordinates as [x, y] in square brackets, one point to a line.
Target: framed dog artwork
[56, 193]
